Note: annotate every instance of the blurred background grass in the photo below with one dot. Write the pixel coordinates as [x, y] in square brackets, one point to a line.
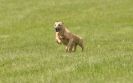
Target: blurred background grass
[29, 53]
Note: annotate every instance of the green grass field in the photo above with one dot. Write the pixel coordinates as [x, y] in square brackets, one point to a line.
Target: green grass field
[29, 53]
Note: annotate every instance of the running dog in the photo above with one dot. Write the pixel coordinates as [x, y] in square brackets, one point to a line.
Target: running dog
[65, 37]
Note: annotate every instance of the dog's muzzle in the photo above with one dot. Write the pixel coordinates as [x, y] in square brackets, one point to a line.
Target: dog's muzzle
[57, 29]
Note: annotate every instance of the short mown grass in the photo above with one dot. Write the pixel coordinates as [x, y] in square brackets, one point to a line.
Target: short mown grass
[29, 53]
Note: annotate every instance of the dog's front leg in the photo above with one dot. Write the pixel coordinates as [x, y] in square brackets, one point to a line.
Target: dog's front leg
[58, 41]
[74, 47]
[66, 49]
[69, 46]
[57, 38]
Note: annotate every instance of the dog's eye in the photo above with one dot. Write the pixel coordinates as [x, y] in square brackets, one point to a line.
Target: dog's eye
[59, 24]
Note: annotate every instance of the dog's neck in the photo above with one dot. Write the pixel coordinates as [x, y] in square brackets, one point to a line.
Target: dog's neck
[63, 31]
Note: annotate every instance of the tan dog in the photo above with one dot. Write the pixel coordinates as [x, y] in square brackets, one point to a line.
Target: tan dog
[64, 36]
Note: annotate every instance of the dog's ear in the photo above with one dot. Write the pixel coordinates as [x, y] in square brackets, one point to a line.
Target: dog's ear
[62, 23]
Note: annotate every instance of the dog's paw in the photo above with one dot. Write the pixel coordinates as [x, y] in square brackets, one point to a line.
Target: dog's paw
[59, 42]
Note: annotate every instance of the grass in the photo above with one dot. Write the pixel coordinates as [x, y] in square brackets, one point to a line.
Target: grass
[29, 54]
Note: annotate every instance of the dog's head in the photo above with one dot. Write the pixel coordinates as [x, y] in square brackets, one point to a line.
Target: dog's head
[58, 26]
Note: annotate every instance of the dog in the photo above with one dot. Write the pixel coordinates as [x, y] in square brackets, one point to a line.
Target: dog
[65, 37]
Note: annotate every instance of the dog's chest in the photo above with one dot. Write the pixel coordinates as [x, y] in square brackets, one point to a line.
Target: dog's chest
[64, 40]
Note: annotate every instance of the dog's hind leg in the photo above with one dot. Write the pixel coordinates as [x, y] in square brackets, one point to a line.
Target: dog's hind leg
[81, 45]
